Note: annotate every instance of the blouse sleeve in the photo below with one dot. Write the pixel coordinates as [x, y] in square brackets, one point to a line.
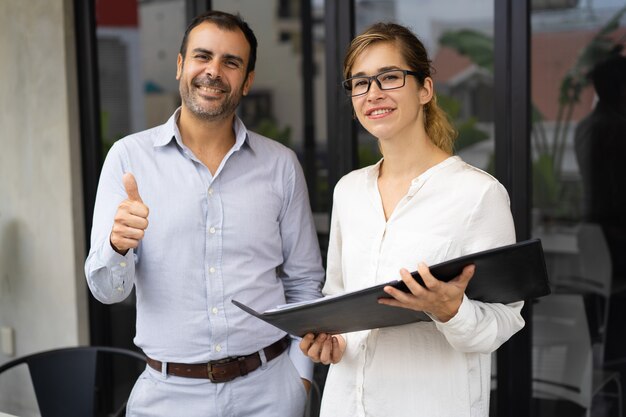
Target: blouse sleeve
[482, 327]
[334, 271]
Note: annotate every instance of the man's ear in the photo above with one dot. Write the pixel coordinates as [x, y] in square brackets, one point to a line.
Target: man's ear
[426, 91]
[179, 66]
[247, 84]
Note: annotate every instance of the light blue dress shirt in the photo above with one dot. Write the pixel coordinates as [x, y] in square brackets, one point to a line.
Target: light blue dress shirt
[245, 233]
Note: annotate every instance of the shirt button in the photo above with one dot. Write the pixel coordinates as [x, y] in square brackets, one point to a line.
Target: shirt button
[218, 348]
[211, 270]
[210, 191]
[120, 289]
[214, 310]
[362, 347]
[212, 230]
[123, 264]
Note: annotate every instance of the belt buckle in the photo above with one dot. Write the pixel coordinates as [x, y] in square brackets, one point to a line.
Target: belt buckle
[217, 377]
[210, 371]
[215, 374]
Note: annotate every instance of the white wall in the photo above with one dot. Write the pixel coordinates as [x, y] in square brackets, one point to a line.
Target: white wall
[42, 289]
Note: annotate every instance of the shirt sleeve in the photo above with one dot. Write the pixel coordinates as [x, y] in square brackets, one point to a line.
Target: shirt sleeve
[110, 276]
[302, 273]
[483, 327]
[302, 363]
[334, 276]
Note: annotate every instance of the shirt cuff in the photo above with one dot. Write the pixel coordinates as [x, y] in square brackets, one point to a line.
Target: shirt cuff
[303, 364]
[112, 259]
[121, 268]
[461, 321]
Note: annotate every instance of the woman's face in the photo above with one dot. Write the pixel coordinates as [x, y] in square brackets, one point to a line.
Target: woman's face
[388, 113]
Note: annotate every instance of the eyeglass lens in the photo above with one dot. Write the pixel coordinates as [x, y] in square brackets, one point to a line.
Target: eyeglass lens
[387, 80]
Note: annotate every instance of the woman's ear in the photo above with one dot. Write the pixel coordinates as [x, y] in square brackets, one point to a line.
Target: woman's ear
[426, 91]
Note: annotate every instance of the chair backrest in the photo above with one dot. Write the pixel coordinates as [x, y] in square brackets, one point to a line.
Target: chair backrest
[64, 380]
[562, 354]
[595, 258]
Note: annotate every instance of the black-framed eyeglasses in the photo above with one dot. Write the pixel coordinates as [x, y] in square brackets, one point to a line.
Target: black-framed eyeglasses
[386, 80]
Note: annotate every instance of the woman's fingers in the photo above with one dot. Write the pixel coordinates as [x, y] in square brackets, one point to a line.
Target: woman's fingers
[306, 342]
[327, 351]
[312, 345]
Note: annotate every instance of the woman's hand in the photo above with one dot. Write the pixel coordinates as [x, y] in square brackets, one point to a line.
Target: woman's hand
[324, 348]
[440, 299]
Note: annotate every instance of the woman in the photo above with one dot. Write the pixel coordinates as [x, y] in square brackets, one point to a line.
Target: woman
[419, 205]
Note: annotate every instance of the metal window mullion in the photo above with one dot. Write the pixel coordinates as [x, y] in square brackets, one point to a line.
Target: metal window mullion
[512, 101]
[195, 7]
[341, 129]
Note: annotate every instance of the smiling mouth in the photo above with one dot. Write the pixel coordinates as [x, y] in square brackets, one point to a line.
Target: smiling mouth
[210, 90]
[378, 112]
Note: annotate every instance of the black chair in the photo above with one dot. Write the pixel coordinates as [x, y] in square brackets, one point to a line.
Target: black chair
[563, 368]
[73, 381]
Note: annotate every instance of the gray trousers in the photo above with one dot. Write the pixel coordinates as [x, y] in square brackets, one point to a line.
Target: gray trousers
[274, 389]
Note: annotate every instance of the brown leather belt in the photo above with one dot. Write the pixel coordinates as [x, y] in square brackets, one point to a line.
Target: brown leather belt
[223, 370]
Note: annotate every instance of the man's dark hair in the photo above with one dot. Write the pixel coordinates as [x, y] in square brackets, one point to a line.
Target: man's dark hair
[225, 21]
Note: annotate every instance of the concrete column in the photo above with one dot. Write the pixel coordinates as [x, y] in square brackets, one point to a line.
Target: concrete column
[43, 294]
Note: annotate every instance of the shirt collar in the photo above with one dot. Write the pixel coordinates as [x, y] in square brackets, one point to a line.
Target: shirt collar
[241, 134]
[373, 171]
[171, 132]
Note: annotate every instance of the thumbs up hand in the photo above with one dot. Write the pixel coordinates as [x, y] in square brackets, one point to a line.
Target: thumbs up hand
[131, 219]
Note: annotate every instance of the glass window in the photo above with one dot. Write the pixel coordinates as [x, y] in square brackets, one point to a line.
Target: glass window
[137, 47]
[578, 152]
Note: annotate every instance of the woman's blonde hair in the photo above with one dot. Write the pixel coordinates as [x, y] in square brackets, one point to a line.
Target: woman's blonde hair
[437, 124]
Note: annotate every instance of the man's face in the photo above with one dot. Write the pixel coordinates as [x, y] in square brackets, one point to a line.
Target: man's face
[212, 75]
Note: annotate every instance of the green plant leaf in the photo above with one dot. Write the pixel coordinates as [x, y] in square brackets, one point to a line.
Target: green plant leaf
[475, 45]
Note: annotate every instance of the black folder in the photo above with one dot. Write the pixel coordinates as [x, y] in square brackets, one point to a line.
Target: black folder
[503, 275]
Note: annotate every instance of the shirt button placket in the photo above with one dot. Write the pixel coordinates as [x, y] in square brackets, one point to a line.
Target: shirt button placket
[214, 283]
[359, 381]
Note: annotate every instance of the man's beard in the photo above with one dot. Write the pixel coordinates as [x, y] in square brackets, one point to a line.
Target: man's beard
[217, 109]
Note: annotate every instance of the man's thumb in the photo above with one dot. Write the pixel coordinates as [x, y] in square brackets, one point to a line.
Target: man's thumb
[131, 187]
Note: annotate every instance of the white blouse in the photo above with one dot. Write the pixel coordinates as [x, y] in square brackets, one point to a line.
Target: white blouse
[428, 369]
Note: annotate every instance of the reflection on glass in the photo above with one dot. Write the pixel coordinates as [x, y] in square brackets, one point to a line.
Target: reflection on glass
[576, 169]
[137, 47]
[162, 25]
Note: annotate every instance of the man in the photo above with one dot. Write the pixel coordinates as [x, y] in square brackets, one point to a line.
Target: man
[229, 218]
[600, 144]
